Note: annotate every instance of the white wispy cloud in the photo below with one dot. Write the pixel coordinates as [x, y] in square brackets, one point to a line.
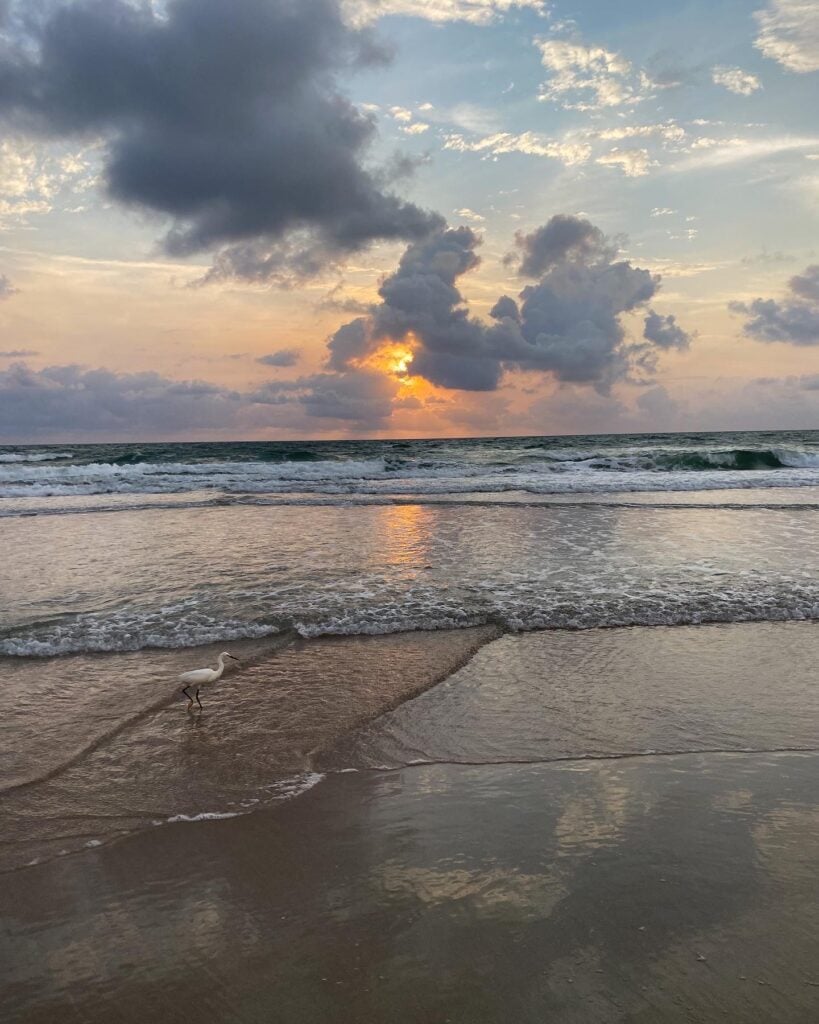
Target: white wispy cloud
[668, 131]
[417, 128]
[466, 214]
[568, 153]
[33, 177]
[735, 80]
[477, 12]
[711, 152]
[634, 163]
[789, 34]
[584, 77]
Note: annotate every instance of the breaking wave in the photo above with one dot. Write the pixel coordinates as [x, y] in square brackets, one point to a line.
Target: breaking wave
[530, 470]
[9, 457]
[516, 608]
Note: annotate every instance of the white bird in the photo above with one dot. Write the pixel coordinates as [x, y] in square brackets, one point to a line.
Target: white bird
[199, 677]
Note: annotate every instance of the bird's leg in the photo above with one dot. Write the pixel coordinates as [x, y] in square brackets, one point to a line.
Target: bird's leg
[199, 702]
[190, 699]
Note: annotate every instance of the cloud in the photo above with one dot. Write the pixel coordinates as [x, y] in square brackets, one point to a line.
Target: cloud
[363, 396]
[7, 289]
[466, 214]
[18, 353]
[768, 257]
[665, 332]
[735, 80]
[283, 357]
[633, 162]
[577, 146]
[71, 400]
[712, 152]
[477, 12]
[789, 34]
[34, 178]
[794, 319]
[222, 115]
[567, 152]
[668, 131]
[584, 77]
[564, 237]
[568, 324]
[360, 395]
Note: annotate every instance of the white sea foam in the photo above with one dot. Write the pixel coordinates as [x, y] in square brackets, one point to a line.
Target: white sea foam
[284, 789]
[204, 816]
[514, 605]
[17, 457]
[557, 474]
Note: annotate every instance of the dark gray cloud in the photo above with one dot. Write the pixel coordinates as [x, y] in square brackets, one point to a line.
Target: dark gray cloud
[421, 299]
[806, 285]
[568, 324]
[7, 289]
[665, 332]
[72, 400]
[283, 357]
[360, 395]
[505, 309]
[18, 353]
[350, 342]
[563, 237]
[794, 319]
[223, 115]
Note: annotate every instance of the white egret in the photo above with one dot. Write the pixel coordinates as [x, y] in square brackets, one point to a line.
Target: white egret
[199, 677]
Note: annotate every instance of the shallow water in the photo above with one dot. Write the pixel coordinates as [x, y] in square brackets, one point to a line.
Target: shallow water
[608, 693]
[181, 577]
[101, 746]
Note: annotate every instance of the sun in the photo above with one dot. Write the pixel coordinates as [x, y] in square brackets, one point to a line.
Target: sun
[400, 359]
[395, 359]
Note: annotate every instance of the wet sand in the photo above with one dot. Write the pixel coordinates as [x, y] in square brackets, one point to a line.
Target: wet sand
[675, 889]
[584, 867]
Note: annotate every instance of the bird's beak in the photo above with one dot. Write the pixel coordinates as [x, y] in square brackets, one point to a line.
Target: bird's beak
[234, 659]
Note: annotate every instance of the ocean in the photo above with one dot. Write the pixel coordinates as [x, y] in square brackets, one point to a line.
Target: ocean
[125, 547]
[126, 564]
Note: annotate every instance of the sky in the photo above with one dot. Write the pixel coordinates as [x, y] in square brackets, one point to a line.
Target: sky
[281, 219]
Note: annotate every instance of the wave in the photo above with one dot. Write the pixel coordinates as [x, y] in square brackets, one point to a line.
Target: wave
[14, 457]
[302, 472]
[515, 611]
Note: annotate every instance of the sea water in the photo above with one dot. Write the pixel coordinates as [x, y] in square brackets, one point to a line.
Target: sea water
[119, 562]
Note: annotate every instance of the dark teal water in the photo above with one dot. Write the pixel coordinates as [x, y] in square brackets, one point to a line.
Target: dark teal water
[424, 469]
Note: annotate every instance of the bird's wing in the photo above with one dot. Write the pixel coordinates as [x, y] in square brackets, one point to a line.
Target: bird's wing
[199, 675]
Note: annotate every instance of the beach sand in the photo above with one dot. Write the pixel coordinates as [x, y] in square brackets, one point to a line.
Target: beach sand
[649, 889]
[613, 886]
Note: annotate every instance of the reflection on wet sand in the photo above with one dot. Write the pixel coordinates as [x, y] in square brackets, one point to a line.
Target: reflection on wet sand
[670, 889]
